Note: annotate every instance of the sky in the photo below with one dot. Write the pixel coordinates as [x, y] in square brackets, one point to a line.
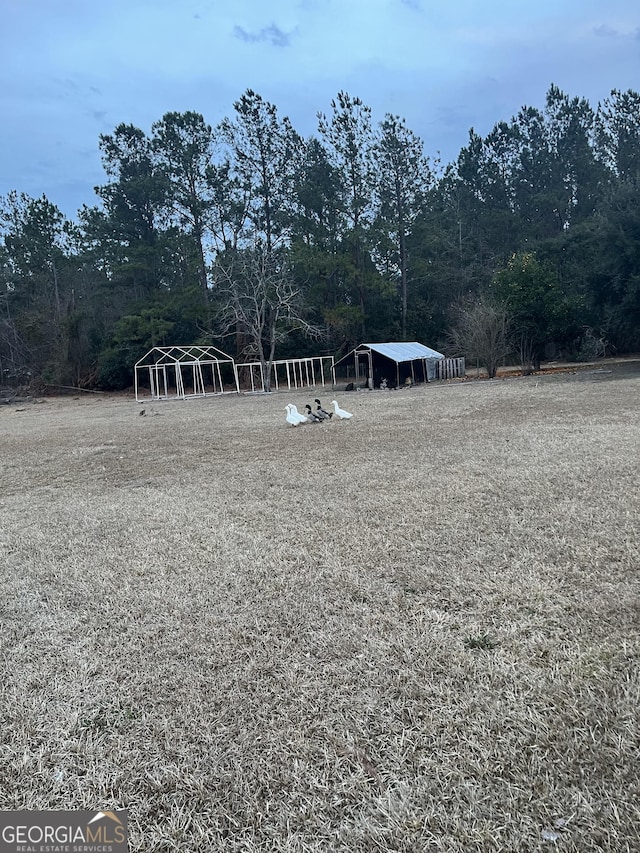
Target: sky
[71, 70]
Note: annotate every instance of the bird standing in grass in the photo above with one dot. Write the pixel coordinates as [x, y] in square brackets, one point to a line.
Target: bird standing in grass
[293, 416]
[302, 418]
[320, 411]
[312, 416]
[341, 413]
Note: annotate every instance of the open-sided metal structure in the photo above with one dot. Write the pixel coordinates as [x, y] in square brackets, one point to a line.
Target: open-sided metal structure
[182, 372]
[391, 363]
[307, 372]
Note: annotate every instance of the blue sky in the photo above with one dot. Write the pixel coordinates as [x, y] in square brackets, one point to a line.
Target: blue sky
[73, 69]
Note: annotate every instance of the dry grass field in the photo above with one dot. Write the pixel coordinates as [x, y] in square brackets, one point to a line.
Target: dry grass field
[417, 630]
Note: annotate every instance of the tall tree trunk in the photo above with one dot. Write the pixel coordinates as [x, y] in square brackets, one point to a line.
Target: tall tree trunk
[56, 291]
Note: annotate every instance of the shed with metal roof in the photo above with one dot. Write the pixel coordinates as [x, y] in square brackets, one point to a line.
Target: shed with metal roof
[393, 364]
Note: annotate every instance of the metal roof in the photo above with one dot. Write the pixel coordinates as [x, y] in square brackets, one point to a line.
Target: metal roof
[399, 352]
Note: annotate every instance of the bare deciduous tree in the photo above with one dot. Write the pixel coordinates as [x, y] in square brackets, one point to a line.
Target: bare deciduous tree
[258, 298]
[481, 331]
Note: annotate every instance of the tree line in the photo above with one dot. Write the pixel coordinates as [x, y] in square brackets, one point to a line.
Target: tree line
[258, 241]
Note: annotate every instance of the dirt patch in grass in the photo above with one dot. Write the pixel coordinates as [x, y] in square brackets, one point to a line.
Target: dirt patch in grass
[416, 630]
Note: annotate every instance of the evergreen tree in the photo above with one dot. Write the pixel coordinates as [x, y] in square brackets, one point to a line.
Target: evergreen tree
[182, 144]
[403, 180]
[263, 153]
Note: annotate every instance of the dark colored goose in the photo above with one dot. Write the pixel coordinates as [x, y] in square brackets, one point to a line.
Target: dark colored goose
[315, 418]
[320, 411]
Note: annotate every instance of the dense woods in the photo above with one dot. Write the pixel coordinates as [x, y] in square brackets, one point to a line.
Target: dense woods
[258, 241]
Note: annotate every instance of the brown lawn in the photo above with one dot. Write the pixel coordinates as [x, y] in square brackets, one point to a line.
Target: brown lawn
[417, 630]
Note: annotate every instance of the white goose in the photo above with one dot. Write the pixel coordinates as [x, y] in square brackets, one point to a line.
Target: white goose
[300, 419]
[293, 419]
[340, 412]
